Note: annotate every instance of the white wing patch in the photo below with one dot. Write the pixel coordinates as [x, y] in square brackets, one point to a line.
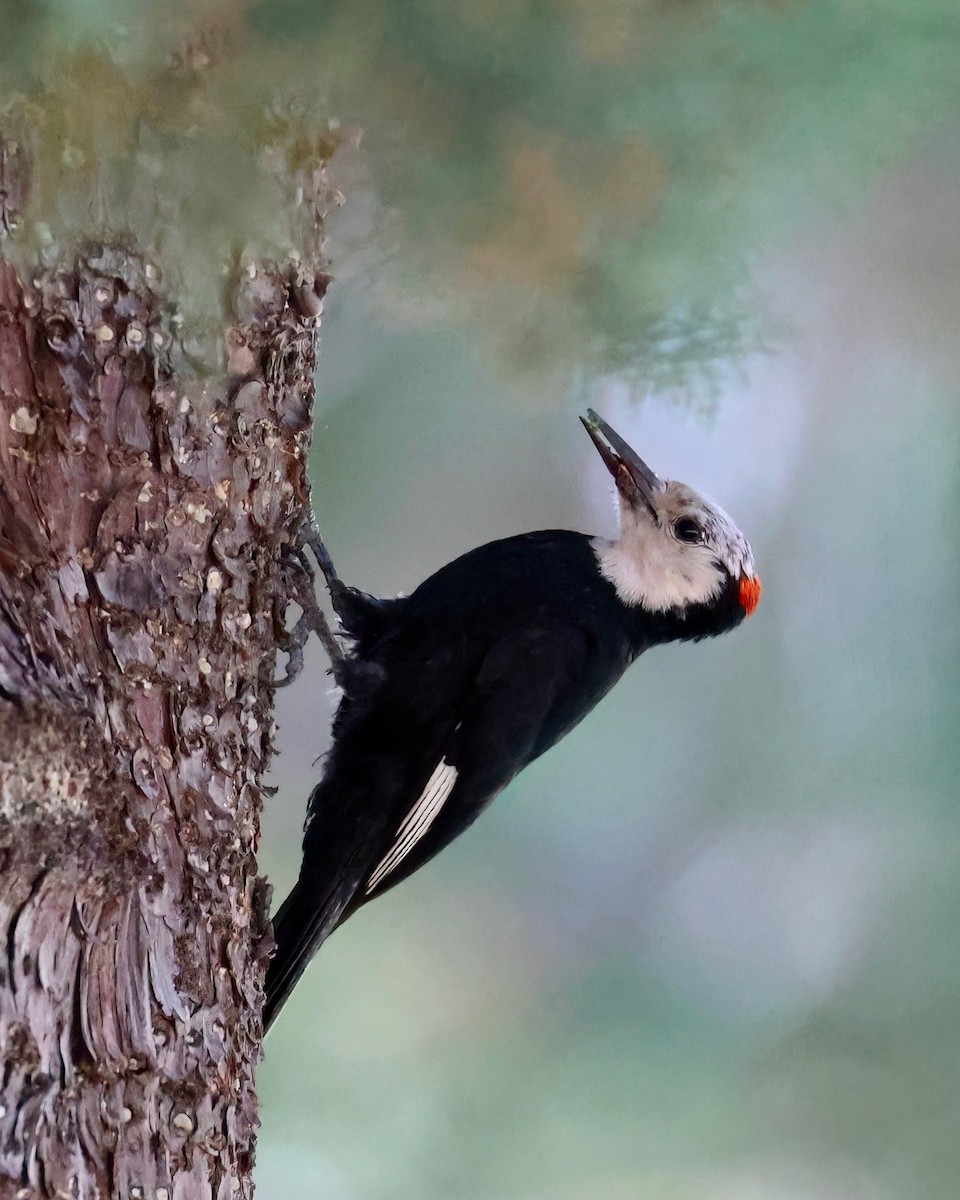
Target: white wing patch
[417, 821]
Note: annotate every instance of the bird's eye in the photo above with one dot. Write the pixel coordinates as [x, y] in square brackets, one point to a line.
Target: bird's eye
[688, 530]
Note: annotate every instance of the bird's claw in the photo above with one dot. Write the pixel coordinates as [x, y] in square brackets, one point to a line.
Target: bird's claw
[292, 645]
[311, 540]
[312, 619]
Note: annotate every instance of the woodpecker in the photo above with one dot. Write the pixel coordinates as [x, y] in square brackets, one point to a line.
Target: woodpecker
[451, 691]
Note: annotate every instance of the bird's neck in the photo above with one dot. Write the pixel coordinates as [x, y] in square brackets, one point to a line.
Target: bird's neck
[648, 569]
[662, 604]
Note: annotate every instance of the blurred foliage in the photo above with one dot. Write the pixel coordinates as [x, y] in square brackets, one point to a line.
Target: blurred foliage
[597, 174]
[584, 180]
[142, 123]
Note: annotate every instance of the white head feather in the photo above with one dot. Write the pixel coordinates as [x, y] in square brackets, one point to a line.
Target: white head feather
[651, 563]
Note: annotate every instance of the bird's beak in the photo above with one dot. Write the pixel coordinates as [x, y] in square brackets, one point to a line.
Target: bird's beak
[634, 479]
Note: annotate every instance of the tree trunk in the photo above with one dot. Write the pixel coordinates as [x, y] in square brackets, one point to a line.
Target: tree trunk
[146, 519]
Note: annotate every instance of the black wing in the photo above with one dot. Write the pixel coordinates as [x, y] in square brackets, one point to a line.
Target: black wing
[380, 814]
[488, 664]
[520, 704]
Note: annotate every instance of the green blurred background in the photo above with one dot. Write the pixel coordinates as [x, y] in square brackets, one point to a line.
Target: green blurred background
[707, 948]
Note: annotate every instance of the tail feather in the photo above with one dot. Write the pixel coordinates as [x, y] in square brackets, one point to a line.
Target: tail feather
[336, 861]
[300, 927]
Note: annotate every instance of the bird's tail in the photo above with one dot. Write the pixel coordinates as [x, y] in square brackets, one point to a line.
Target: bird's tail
[302, 924]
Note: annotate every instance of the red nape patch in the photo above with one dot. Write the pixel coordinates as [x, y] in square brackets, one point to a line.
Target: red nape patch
[750, 592]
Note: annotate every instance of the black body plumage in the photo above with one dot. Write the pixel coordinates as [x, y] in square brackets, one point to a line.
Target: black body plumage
[449, 693]
[483, 668]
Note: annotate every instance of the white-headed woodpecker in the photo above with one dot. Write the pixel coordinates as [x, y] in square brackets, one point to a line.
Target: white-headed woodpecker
[448, 693]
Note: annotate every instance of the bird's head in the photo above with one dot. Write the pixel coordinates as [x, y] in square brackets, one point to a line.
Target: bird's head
[676, 552]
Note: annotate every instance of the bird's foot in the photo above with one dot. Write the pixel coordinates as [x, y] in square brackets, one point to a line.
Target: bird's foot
[300, 589]
[293, 641]
[310, 539]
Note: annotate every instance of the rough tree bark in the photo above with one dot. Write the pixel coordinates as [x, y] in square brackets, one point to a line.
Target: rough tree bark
[146, 518]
